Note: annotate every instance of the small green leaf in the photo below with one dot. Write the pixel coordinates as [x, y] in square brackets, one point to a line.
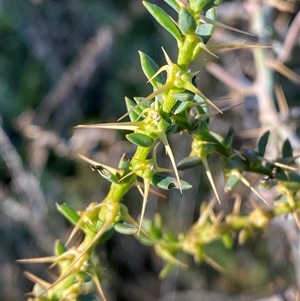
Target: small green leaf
[182, 106]
[166, 182]
[174, 4]
[149, 68]
[133, 115]
[206, 30]
[262, 144]
[140, 139]
[69, 213]
[232, 181]
[171, 129]
[125, 228]
[184, 96]
[186, 21]
[287, 150]
[59, 248]
[189, 162]
[163, 19]
[124, 161]
[228, 138]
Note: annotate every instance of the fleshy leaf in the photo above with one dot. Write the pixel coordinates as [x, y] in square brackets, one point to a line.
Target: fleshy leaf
[287, 150]
[206, 30]
[133, 115]
[163, 19]
[174, 4]
[186, 21]
[232, 181]
[69, 213]
[262, 143]
[167, 182]
[140, 139]
[149, 68]
[189, 162]
[125, 228]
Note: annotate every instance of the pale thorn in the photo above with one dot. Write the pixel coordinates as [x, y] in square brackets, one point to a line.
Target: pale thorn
[160, 90]
[210, 178]
[36, 279]
[160, 70]
[297, 219]
[218, 24]
[253, 190]
[38, 260]
[284, 166]
[80, 222]
[95, 163]
[214, 264]
[193, 89]
[237, 203]
[204, 215]
[139, 185]
[224, 47]
[130, 126]
[169, 257]
[99, 287]
[169, 61]
[71, 270]
[164, 140]
[203, 46]
[145, 200]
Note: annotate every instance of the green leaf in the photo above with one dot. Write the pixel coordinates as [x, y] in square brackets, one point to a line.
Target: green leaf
[140, 139]
[59, 248]
[149, 68]
[124, 162]
[163, 19]
[174, 4]
[232, 181]
[186, 22]
[189, 162]
[262, 144]
[184, 96]
[69, 213]
[228, 138]
[133, 115]
[206, 30]
[125, 228]
[182, 106]
[171, 129]
[287, 150]
[166, 182]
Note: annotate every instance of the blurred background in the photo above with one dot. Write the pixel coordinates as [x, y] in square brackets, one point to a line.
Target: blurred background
[71, 62]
